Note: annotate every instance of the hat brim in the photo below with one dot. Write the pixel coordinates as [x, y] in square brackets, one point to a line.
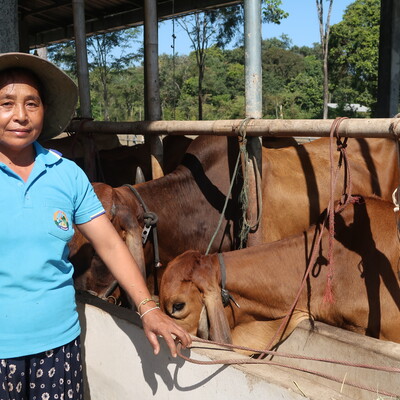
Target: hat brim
[61, 93]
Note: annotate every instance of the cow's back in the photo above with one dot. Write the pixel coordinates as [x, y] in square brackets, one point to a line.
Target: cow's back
[296, 181]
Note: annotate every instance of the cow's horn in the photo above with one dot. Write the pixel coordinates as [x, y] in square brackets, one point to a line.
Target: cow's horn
[139, 178]
[156, 168]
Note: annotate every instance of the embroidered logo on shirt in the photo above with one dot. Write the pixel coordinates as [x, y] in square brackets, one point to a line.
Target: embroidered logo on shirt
[61, 220]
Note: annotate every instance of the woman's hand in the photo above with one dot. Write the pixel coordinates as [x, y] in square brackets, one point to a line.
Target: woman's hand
[114, 252]
[156, 323]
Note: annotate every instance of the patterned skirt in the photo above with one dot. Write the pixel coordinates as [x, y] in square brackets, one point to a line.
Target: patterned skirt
[54, 374]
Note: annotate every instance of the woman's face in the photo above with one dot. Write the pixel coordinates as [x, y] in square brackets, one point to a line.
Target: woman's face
[21, 112]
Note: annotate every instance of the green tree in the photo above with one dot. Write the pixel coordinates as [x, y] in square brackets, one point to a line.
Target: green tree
[280, 65]
[126, 94]
[230, 20]
[280, 61]
[105, 64]
[64, 55]
[200, 30]
[220, 27]
[305, 89]
[103, 60]
[353, 55]
[173, 72]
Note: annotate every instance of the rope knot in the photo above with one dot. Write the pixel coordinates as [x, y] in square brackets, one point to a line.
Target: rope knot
[150, 218]
[341, 145]
[150, 222]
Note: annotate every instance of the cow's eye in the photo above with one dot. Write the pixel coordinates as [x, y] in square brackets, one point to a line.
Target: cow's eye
[177, 307]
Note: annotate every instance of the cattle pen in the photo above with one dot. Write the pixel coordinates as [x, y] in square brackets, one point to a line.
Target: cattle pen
[123, 365]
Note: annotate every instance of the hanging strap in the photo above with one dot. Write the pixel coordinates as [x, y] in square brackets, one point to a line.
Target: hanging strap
[226, 296]
[150, 219]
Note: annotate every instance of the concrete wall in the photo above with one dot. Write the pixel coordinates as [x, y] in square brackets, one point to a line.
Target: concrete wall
[120, 365]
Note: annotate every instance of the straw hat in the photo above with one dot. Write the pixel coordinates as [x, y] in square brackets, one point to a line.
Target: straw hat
[60, 91]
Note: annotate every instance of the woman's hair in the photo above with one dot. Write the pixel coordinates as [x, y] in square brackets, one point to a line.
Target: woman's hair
[12, 75]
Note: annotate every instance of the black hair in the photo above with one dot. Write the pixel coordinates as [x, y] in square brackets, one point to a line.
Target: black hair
[11, 75]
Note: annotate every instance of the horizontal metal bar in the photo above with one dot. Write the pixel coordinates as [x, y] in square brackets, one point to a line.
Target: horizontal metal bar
[357, 128]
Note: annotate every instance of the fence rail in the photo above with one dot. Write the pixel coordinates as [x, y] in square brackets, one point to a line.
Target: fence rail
[357, 128]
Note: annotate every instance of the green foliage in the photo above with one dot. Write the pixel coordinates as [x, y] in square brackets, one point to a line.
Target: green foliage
[64, 55]
[293, 86]
[105, 68]
[272, 12]
[280, 62]
[306, 89]
[228, 21]
[354, 45]
[292, 79]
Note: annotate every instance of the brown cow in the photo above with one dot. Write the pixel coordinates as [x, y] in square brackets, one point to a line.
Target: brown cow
[295, 190]
[90, 272]
[264, 281]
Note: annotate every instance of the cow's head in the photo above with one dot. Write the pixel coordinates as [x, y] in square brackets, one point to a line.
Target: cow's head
[91, 274]
[190, 293]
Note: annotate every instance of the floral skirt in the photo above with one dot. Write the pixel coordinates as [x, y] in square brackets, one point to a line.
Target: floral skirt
[51, 375]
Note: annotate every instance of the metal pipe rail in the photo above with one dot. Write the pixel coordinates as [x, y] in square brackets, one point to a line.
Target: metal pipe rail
[356, 128]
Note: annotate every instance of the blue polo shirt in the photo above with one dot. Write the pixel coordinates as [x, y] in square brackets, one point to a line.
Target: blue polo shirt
[37, 297]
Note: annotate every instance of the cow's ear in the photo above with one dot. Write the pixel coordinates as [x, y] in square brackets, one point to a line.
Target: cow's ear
[206, 281]
[135, 247]
[218, 322]
[203, 329]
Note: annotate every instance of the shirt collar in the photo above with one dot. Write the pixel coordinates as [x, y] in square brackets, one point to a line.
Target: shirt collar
[48, 157]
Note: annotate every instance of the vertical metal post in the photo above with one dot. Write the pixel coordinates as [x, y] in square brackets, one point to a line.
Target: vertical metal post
[81, 58]
[152, 83]
[83, 84]
[253, 94]
[389, 60]
[9, 36]
[253, 71]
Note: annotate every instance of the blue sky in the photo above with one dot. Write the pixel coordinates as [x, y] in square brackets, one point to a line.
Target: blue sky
[301, 26]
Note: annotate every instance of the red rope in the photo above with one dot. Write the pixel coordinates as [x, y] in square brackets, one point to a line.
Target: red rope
[245, 361]
[344, 201]
[331, 215]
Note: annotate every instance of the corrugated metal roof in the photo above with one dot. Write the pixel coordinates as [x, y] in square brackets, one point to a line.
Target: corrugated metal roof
[51, 21]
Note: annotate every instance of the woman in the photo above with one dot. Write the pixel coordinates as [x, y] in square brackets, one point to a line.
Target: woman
[42, 196]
